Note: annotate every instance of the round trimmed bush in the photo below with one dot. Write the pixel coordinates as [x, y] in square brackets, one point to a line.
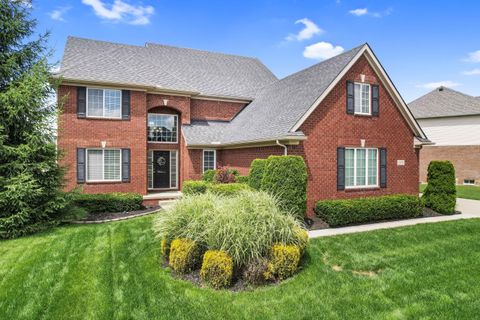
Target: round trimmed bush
[184, 255]
[286, 178]
[217, 269]
[440, 193]
[257, 168]
[283, 263]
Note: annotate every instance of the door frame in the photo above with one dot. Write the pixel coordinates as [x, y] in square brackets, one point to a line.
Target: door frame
[150, 169]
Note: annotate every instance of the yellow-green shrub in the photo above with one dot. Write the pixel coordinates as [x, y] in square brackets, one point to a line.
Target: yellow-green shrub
[184, 255]
[217, 269]
[284, 260]
[165, 247]
[301, 236]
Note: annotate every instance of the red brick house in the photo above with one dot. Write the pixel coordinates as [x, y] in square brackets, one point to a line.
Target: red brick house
[145, 118]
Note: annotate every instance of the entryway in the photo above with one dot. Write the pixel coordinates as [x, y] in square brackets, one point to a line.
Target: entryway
[162, 169]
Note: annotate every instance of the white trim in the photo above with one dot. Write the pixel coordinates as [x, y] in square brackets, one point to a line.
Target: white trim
[214, 159]
[469, 184]
[103, 103]
[385, 80]
[367, 161]
[212, 98]
[176, 133]
[103, 165]
[369, 113]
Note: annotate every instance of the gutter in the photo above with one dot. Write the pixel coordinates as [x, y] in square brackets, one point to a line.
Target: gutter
[282, 145]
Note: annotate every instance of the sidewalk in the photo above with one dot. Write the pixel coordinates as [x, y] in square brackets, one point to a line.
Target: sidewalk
[469, 208]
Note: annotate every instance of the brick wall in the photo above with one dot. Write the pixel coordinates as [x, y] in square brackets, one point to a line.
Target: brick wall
[214, 110]
[465, 159]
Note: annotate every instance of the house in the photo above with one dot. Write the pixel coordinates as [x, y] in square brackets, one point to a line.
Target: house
[451, 119]
[146, 118]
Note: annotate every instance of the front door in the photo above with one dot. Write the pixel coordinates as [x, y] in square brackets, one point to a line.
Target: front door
[161, 169]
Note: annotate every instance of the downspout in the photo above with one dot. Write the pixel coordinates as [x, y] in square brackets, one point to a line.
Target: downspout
[282, 145]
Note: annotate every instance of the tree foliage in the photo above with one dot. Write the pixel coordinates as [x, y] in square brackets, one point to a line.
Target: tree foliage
[30, 177]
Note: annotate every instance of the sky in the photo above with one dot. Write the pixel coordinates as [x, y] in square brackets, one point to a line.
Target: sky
[421, 44]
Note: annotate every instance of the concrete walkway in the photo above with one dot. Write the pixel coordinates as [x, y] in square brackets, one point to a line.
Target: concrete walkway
[469, 208]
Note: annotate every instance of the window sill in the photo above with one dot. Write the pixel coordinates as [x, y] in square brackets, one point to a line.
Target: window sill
[363, 115]
[103, 182]
[355, 189]
[162, 142]
[104, 118]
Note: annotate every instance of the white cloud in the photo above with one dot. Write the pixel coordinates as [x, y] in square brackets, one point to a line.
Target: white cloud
[474, 56]
[474, 72]
[321, 50]
[58, 13]
[310, 29]
[433, 85]
[121, 11]
[359, 12]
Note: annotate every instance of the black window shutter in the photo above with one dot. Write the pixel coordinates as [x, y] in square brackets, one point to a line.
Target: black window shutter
[81, 102]
[375, 100]
[383, 167]
[125, 104]
[350, 97]
[340, 168]
[80, 165]
[125, 165]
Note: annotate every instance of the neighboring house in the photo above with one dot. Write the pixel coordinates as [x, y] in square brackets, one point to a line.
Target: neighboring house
[145, 118]
[451, 120]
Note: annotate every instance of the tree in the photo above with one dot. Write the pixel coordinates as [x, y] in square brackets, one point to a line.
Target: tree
[30, 177]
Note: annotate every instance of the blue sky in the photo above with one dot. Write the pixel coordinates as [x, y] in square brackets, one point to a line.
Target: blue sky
[420, 43]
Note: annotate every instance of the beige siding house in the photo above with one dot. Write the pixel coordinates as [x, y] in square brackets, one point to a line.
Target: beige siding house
[451, 120]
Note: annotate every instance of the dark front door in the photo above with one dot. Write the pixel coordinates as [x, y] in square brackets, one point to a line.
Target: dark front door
[161, 169]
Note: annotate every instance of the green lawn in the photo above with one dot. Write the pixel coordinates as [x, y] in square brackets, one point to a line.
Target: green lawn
[111, 271]
[466, 192]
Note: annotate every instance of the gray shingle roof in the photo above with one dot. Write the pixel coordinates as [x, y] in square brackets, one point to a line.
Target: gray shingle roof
[276, 109]
[165, 67]
[444, 102]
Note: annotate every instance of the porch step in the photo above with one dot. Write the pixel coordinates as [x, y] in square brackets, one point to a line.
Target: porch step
[167, 195]
[166, 204]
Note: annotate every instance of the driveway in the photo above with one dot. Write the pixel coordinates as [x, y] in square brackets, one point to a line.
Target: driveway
[469, 208]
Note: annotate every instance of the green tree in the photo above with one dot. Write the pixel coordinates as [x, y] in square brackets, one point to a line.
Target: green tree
[30, 177]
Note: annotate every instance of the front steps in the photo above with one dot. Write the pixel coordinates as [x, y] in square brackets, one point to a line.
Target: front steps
[163, 199]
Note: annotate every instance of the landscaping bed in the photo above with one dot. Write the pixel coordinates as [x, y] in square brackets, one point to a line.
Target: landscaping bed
[106, 216]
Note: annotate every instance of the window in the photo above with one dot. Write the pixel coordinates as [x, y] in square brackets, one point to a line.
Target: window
[209, 160]
[162, 128]
[469, 181]
[103, 165]
[362, 98]
[361, 167]
[104, 103]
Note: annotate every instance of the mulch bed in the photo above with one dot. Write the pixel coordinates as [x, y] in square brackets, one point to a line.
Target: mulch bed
[108, 216]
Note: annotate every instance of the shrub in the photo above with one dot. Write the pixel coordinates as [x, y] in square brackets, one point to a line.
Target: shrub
[283, 263]
[286, 177]
[302, 238]
[229, 189]
[348, 211]
[440, 193]
[209, 175]
[217, 269]
[245, 225]
[108, 202]
[255, 271]
[184, 255]
[165, 247]
[194, 187]
[257, 168]
[242, 179]
[225, 175]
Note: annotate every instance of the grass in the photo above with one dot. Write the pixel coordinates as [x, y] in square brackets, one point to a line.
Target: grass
[466, 192]
[111, 271]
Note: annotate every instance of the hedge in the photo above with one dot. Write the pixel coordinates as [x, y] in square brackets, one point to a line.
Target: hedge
[228, 189]
[350, 211]
[286, 178]
[440, 193]
[208, 175]
[108, 202]
[257, 168]
[194, 187]
[243, 179]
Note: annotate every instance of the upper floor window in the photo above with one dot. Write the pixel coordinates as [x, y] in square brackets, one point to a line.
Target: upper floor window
[362, 98]
[162, 128]
[361, 167]
[104, 103]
